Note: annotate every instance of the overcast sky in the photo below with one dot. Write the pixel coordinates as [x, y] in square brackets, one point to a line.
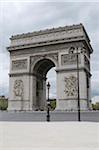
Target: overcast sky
[16, 17]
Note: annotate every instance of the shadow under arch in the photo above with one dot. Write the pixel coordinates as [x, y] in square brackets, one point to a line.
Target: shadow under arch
[40, 71]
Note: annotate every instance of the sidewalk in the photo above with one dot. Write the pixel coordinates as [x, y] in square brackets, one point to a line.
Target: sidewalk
[49, 136]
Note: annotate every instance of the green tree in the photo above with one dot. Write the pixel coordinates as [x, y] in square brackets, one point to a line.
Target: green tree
[95, 106]
[3, 103]
[53, 103]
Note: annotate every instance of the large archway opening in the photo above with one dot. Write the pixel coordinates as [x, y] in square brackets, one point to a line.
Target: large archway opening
[51, 78]
[40, 71]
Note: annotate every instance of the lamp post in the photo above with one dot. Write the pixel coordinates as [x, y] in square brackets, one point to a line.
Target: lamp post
[48, 104]
[78, 86]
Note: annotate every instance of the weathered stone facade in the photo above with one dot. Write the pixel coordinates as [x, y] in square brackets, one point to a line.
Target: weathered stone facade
[32, 55]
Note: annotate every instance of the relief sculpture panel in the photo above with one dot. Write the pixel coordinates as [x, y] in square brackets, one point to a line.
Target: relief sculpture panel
[70, 86]
[19, 64]
[18, 89]
[69, 59]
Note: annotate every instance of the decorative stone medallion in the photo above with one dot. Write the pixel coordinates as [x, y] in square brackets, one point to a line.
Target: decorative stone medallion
[70, 86]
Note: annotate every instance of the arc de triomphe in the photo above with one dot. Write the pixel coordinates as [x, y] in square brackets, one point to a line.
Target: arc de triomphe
[32, 55]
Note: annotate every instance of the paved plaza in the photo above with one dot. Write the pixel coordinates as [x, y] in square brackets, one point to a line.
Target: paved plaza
[51, 135]
[30, 131]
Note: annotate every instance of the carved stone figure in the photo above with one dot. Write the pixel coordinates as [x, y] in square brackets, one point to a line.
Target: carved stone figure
[71, 86]
[18, 89]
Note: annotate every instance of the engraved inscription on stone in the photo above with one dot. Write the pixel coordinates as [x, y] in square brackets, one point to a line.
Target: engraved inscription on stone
[19, 64]
[18, 89]
[71, 86]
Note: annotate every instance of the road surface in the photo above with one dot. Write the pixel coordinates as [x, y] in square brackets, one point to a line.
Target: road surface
[92, 116]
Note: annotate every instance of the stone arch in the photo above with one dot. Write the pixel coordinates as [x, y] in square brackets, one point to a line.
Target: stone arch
[35, 59]
[43, 66]
[33, 54]
[40, 69]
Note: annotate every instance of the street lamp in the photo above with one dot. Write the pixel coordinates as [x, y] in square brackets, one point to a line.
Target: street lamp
[48, 104]
[78, 87]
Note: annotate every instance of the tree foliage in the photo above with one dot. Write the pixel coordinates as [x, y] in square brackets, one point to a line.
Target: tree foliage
[53, 103]
[95, 106]
[3, 104]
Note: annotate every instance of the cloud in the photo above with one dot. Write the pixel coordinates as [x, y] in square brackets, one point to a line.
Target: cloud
[21, 17]
[95, 84]
[51, 77]
[95, 99]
